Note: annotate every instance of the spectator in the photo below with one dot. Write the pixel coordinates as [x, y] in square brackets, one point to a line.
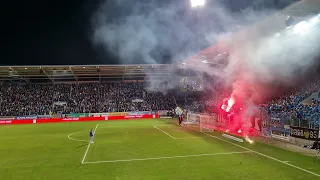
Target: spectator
[45, 99]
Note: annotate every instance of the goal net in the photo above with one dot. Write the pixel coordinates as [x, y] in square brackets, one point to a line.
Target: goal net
[206, 122]
[192, 118]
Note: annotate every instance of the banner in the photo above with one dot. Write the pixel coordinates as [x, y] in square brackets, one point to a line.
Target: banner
[78, 119]
[44, 116]
[26, 117]
[5, 122]
[118, 114]
[98, 114]
[137, 100]
[264, 128]
[70, 119]
[304, 133]
[221, 122]
[140, 112]
[7, 117]
[60, 103]
[282, 135]
[76, 115]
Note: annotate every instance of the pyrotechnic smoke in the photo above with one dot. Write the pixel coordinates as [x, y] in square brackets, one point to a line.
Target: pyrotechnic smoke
[154, 31]
[143, 31]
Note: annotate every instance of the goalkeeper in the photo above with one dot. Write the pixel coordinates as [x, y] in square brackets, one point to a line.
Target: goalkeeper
[179, 112]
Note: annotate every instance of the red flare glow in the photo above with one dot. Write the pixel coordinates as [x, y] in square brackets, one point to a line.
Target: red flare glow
[231, 102]
[227, 107]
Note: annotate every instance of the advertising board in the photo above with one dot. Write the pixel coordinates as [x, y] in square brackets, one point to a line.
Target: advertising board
[304, 133]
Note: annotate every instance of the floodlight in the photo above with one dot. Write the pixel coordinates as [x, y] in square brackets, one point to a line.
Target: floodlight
[197, 3]
[301, 27]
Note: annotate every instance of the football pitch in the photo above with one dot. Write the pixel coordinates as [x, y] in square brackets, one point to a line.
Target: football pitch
[141, 150]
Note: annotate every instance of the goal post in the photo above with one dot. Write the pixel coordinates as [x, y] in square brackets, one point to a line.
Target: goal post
[206, 122]
[192, 118]
[192, 121]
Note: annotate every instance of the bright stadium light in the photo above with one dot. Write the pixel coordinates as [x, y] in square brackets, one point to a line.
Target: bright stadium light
[197, 3]
[301, 28]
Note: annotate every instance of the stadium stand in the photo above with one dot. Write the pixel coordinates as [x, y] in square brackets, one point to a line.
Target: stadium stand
[45, 99]
[289, 107]
[49, 90]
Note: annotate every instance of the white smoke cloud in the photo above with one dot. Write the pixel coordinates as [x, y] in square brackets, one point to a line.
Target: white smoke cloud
[139, 32]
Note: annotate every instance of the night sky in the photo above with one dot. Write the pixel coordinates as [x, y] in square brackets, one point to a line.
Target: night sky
[58, 32]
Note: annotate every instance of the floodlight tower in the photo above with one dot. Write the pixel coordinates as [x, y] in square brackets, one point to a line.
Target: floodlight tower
[197, 4]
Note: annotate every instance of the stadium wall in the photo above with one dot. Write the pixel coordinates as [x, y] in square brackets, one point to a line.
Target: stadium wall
[37, 120]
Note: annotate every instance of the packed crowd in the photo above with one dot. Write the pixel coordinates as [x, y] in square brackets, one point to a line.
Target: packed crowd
[291, 108]
[45, 99]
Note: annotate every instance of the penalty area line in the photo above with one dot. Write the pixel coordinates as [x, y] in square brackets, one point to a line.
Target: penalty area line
[85, 154]
[264, 155]
[164, 132]
[166, 157]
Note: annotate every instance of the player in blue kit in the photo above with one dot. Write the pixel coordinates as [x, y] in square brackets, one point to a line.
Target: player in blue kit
[91, 134]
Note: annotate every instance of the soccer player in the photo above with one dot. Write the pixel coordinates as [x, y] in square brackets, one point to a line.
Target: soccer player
[91, 134]
[179, 112]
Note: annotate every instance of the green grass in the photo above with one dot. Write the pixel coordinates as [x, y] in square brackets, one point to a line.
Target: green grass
[43, 151]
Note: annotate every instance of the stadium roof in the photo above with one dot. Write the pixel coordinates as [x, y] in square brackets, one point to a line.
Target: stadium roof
[301, 10]
[72, 73]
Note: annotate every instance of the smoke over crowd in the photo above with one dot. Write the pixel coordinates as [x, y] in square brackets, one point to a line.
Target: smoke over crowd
[151, 31]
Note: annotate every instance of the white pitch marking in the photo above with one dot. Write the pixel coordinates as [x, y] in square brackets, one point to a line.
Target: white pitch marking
[169, 157]
[164, 132]
[193, 137]
[69, 137]
[283, 162]
[85, 154]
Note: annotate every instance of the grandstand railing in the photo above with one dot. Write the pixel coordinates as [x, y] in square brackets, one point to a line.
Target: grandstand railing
[312, 121]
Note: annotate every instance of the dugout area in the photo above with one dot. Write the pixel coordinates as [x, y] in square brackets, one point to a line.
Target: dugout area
[142, 149]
